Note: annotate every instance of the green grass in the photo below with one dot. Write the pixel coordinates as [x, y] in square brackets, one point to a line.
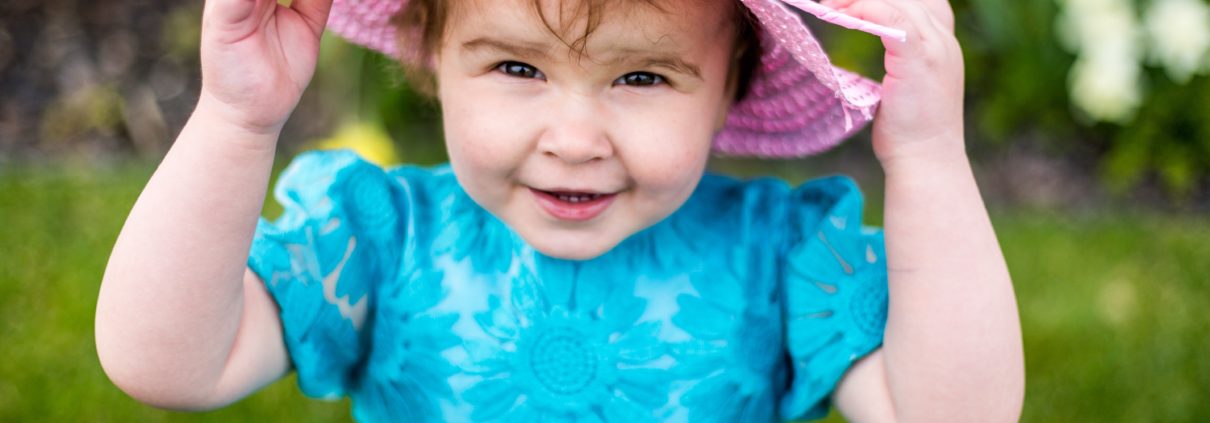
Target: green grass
[59, 225]
[1114, 312]
[1113, 308]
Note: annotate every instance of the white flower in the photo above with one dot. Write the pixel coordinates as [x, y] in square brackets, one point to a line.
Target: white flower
[1092, 26]
[1106, 87]
[1105, 79]
[1179, 35]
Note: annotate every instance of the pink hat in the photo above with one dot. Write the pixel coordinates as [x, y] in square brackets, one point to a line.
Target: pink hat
[797, 103]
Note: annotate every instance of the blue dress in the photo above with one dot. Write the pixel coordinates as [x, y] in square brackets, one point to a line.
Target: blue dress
[747, 304]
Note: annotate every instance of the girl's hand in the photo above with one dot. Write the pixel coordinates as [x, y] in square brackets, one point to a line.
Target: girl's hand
[920, 117]
[257, 58]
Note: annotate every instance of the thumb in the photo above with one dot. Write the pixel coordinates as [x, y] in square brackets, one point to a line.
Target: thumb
[230, 12]
[235, 19]
[314, 12]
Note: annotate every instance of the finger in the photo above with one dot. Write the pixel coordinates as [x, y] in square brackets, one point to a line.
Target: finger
[236, 12]
[835, 17]
[315, 12]
[883, 13]
[231, 20]
[918, 12]
[927, 51]
[920, 15]
[941, 12]
[836, 4]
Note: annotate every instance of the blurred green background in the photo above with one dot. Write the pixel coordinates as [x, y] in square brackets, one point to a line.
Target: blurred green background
[1086, 125]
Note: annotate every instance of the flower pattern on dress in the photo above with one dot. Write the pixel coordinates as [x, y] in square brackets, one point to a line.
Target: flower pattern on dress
[404, 381]
[361, 262]
[665, 249]
[474, 230]
[568, 347]
[735, 322]
[836, 305]
[370, 203]
[841, 282]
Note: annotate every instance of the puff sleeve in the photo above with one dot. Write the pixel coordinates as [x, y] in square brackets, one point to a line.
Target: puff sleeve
[321, 261]
[835, 290]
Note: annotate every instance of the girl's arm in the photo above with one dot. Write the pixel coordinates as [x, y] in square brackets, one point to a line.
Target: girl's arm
[952, 349]
[175, 293]
[181, 322]
[953, 341]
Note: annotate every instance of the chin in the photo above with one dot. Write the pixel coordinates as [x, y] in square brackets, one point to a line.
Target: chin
[572, 247]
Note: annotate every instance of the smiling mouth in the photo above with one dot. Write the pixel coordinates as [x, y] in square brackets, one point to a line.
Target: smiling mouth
[574, 197]
[572, 205]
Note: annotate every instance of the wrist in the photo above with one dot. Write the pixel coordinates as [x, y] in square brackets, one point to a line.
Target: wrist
[225, 124]
[923, 158]
[222, 113]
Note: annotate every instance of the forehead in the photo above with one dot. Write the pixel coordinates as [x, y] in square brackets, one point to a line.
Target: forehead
[667, 25]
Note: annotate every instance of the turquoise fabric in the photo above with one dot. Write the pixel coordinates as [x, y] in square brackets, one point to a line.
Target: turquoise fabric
[747, 304]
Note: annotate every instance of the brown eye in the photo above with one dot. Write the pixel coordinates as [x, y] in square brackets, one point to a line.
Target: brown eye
[520, 70]
[640, 79]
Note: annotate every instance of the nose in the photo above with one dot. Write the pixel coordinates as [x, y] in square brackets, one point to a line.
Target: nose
[576, 132]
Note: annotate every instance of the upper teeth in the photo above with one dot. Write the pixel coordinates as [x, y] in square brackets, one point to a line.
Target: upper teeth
[576, 198]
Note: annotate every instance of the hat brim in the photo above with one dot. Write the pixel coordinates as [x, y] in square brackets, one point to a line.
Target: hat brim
[798, 104]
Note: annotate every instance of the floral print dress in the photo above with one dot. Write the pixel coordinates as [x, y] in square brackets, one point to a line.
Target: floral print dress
[747, 304]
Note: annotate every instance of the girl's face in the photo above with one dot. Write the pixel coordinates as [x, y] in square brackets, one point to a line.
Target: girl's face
[577, 153]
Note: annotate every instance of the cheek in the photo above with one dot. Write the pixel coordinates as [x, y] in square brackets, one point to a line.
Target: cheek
[482, 135]
[667, 173]
[671, 146]
[684, 138]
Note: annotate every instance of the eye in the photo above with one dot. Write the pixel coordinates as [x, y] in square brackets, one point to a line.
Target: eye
[520, 70]
[640, 79]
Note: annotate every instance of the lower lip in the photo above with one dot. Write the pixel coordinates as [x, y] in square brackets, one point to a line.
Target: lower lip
[575, 212]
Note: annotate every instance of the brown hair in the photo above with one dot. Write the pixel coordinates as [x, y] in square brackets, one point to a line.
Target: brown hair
[426, 19]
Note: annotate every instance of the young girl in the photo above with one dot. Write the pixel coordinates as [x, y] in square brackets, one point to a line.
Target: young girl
[573, 262]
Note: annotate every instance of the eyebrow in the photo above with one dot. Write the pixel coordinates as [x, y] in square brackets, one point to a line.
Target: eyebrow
[521, 50]
[632, 57]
